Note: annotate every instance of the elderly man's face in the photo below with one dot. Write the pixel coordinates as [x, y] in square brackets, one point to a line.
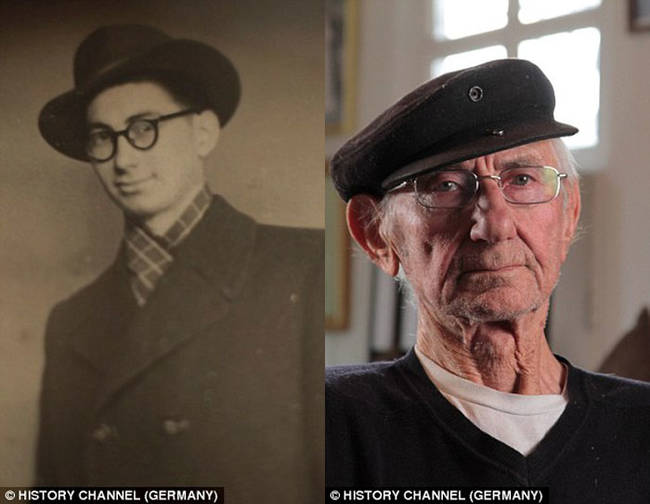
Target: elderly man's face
[492, 260]
[145, 183]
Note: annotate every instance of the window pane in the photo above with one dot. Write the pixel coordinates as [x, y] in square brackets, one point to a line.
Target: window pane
[467, 59]
[575, 77]
[531, 11]
[454, 19]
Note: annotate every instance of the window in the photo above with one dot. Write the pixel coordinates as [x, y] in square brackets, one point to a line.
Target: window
[562, 37]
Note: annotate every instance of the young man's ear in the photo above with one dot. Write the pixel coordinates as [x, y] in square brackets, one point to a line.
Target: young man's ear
[207, 131]
[363, 224]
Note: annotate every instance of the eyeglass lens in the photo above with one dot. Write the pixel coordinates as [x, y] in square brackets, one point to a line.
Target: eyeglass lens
[456, 188]
[141, 134]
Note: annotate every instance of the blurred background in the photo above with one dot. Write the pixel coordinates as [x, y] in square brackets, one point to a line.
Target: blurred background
[595, 53]
[58, 230]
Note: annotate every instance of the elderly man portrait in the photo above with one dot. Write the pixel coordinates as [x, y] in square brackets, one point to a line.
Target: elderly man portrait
[195, 357]
[465, 191]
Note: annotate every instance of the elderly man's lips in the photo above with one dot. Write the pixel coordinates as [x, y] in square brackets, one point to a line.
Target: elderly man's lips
[501, 269]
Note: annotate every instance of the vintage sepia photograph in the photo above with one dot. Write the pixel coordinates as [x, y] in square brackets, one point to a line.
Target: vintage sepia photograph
[162, 195]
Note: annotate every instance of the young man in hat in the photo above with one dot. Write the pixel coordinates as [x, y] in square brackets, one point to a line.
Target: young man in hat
[193, 360]
[465, 190]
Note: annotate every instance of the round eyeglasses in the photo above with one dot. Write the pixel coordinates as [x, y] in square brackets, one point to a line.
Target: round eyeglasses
[101, 143]
[456, 188]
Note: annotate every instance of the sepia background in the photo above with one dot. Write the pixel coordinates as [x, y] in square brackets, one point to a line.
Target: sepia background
[58, 230]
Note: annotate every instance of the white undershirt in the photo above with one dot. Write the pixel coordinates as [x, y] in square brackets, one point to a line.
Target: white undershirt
[520, 421]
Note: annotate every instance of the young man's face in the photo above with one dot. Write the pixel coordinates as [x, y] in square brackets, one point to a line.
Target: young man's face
[147, 184]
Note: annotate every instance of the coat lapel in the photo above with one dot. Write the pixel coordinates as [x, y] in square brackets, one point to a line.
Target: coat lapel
[91, 333]
[208, 272]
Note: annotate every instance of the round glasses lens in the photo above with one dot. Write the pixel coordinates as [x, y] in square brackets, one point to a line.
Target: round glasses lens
[445, 188]
[529, 184]
[142, 134]
[100, 144]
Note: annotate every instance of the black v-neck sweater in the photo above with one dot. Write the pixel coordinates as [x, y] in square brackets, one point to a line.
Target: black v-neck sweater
[388, 425]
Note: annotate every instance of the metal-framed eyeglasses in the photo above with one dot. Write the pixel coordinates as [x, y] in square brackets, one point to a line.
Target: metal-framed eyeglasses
[101, 143]
[457, 188]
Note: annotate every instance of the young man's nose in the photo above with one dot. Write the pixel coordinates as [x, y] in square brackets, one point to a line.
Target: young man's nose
[126, 155]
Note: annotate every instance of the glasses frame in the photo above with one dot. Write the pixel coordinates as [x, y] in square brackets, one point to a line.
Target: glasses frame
[477, 180]
[125, 133]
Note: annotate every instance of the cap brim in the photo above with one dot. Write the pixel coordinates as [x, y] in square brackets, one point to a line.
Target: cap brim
[487, 141]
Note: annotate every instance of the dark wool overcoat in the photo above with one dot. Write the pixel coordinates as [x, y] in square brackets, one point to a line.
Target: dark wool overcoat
[216, 381]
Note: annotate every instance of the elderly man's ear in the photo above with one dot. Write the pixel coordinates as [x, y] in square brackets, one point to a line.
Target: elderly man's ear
[362, 212]
[572, 213]
[207, 129]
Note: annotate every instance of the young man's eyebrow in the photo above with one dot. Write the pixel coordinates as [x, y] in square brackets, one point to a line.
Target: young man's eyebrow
[99, 125]
[142, 115]
[130, 119]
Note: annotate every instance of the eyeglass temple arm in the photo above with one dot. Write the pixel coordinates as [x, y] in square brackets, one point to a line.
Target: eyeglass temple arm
[399, 186]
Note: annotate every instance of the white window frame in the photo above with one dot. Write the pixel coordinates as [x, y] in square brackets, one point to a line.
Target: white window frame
[430, 48]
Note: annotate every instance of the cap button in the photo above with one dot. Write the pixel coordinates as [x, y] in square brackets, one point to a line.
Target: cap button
[475, 93]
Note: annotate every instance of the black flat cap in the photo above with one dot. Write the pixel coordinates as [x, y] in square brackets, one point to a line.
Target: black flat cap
[457, 116]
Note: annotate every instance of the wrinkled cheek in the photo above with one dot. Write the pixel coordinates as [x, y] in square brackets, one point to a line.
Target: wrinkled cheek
[549, 272]
[431, 278]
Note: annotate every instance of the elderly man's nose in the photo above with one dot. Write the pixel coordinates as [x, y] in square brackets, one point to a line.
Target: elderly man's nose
[492, 215]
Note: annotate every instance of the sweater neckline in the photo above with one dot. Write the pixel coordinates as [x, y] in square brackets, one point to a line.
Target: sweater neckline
[526, 469]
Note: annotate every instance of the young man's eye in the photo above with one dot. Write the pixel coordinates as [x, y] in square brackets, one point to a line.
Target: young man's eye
[98, 136]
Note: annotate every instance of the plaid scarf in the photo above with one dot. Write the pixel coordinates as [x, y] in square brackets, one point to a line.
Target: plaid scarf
[148, 257]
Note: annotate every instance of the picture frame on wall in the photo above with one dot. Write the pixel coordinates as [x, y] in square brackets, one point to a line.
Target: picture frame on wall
[337, 261]
[340, 65]
[639, 15]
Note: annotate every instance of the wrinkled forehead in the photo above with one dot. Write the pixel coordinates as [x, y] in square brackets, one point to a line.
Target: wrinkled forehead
[533, 154]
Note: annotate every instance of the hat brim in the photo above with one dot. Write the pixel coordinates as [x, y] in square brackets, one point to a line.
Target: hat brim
[486, 141]
[62, 121]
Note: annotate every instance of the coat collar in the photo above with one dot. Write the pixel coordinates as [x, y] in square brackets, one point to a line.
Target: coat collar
[209, 271]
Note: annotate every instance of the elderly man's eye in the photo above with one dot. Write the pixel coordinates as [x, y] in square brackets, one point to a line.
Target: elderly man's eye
[521, 179]
[442, 182]
[447, 186]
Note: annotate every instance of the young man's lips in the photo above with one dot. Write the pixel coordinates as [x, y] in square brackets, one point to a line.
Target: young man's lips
[129, 186]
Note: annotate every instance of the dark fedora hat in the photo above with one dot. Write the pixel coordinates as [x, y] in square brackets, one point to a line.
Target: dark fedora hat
[457, 116]
[112, 54]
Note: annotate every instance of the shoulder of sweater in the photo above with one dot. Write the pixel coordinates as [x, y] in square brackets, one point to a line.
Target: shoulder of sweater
[382, 386]
[615, 390]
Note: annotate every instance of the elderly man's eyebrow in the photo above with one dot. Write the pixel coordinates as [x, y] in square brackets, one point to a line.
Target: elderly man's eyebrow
[524, 161]
[461, 165]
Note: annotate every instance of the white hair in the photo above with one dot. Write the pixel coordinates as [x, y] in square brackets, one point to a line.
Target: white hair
[566, 161]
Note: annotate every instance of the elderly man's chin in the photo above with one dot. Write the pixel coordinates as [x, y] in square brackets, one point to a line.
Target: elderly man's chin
[494, 298]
